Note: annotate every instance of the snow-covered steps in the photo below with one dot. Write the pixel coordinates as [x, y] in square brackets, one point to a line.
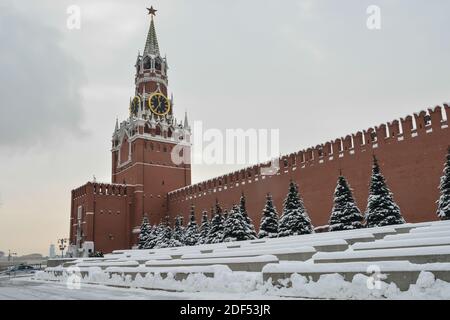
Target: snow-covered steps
[423, 235]
[242, 263]
[402, 273]
[434, 228]
[399, 253]
[403, 243]
[178, 273]
[318, 245]
[294, 253]
[106, 264]
[414, 255]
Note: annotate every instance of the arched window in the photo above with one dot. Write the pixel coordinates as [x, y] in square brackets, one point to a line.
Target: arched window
[158, 64]
[158, 130]
[147, 63]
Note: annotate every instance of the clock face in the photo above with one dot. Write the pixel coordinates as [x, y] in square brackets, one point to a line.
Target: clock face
[159, 104]
[134, 105]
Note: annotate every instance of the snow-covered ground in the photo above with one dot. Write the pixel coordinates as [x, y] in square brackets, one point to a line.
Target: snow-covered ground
[331, 286]
[27, 289]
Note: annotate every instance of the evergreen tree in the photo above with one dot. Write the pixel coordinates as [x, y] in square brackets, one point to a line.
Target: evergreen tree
[176, 239]
[381, 208]
[225, 215]
[443, 211]
[249, 223]
[268, 228]
[144, 233]
[235, 227]
[153, 239]
[217, 208]
[345, 215]
[181, 221]
[164, 236]
[295, 219]
[191, 234]
[215, 233]
[204, 229]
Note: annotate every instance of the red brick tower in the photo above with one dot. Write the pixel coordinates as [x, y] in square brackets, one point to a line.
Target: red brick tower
[142, 145]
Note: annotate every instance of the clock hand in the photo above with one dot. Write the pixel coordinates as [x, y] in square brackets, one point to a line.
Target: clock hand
[159, 101]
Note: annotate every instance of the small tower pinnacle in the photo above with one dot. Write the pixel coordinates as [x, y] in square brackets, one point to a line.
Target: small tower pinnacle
[186, 123]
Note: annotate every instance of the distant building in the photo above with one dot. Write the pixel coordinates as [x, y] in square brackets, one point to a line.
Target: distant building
[52, 251]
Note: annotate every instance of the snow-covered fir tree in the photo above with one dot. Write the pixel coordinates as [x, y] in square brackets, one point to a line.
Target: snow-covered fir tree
[345, 215]
[204, 228]
[268, 228]
[176, 240]
[235, 227]
[144, 233]
[443, 211]
[225, 215]
[164, 235]
[191, 233]
[381, 208]
[295, 219]
[153, 238]
[181, 222]
[215, 234]
[248, 221]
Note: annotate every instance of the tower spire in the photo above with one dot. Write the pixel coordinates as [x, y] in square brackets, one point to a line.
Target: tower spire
[151, 44]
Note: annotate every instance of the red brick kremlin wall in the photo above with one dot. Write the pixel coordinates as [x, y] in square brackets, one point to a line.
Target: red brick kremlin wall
[411, 154]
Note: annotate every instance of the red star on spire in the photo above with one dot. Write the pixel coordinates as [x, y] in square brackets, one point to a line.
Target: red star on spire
[152, 11]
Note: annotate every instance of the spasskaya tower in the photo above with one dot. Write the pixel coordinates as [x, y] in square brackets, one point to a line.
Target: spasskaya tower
[107, 216]
[142, 144]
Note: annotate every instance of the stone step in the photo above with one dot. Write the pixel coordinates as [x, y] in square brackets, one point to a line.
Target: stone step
[407, 243]
[417, 255]
[402, 273]
[319, 245]
[412, 236]
[302, 253]
[179, 273]
[253, 264]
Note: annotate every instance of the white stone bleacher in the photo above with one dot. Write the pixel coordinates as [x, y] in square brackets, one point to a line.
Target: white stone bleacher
[297, 248]
[400, 257]
[400, 251]
[297, 253]
[237, 263]
[402, 273]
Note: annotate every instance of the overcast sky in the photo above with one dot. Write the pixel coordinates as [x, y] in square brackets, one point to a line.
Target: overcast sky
[310, 68]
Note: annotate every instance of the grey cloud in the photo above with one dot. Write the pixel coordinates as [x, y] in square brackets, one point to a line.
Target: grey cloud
[40, 83]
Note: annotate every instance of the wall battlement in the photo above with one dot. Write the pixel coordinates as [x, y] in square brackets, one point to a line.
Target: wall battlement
[395, 132]
[107, 189]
